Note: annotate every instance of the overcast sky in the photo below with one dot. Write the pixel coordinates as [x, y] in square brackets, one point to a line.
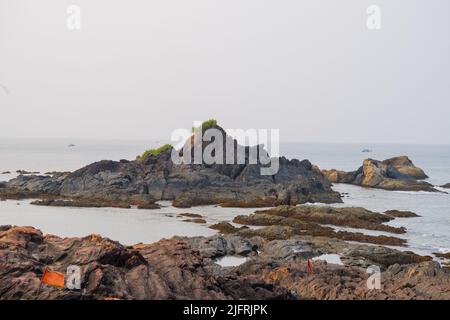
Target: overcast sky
[139, 69]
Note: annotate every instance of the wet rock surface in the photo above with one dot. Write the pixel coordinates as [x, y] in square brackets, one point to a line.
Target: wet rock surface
[397, 173]
[185, 268]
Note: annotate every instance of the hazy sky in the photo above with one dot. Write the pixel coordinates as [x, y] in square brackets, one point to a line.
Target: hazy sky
[139, 69]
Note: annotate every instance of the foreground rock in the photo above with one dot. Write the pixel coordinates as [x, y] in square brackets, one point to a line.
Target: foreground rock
[185, 268]
[392, 174]
[446, 186]
[156, 177]
[169, 269]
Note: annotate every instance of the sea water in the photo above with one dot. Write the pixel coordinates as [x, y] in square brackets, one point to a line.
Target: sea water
[426, 234]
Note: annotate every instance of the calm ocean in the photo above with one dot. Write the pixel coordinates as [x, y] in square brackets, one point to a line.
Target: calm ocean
[427, 234]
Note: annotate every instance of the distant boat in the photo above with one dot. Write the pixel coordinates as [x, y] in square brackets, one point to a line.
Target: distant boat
[366, 150]
[71, 145]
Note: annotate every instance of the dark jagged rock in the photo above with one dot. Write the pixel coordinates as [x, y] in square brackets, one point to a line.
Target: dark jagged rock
[392, 174]
[446, 186]
[156, 177]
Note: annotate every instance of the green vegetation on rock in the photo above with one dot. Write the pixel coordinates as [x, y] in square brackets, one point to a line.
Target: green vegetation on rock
[154, 152]
[208, 124]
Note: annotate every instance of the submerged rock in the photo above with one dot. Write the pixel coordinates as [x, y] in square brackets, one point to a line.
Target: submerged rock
[392, 174]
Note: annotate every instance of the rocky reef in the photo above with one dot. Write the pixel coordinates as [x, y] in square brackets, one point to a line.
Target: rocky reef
[156, 177]
[285, 222]
[186, 268]
[397, 173]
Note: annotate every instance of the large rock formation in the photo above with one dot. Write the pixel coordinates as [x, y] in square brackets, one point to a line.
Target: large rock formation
[392, 174]
[185, 268]
[157, 177]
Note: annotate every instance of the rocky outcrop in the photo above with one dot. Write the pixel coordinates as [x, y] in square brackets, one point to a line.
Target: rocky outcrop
[285, 222]
[392, 174]
[352, 217]
[157, 177]
[446, 186]
[405, 166]
[185, 268]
